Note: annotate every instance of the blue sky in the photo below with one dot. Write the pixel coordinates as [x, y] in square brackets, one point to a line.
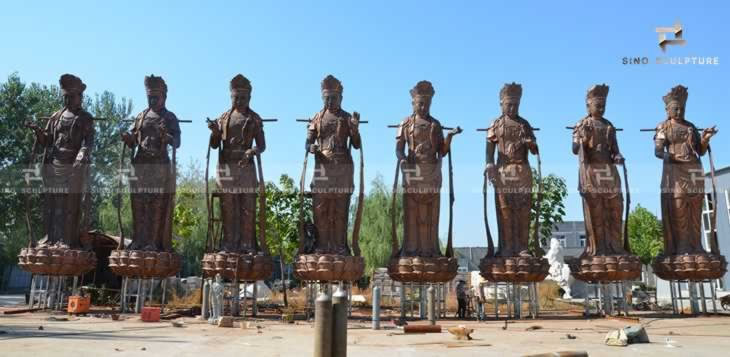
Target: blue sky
[379, 50]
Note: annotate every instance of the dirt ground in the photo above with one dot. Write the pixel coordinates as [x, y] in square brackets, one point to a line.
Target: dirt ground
[94, 336]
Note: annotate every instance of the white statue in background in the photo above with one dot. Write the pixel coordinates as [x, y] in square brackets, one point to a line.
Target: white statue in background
[216, 299]
[559, 271]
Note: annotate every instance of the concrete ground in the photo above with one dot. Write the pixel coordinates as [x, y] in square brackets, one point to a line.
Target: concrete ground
[94, 336]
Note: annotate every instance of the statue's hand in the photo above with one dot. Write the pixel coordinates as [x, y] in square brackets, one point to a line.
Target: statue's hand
[708, 133]
[313, 148]
[128, 138]
[455, 131]
[248, 154]
[491, 172]
[37, 130]
[618, 159]
[163, 134]
[213, 126]
[355, 121]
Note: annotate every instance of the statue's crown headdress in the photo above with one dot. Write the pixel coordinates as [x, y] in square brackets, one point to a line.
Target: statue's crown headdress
[678, 94]
[423, 89]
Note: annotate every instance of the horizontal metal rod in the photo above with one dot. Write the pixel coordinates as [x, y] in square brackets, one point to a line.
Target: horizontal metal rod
[698, 129]
[308, 120]
[443, 127]
[179, 121]
[485, 129]
[572, 127]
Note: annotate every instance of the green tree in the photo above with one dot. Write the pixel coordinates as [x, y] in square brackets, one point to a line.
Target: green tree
[375, 231]
[552, 208]
[645, 234]
[190, 221]
[282, 217]
[19, 103]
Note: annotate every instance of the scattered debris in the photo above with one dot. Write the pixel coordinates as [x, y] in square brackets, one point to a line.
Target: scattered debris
[277, 338]
[461, 332]
[534, 327]
[670, 343]
[19, 311]
[143, 349]
[617, 338]
[505, 325]
[422, 329]
[115, 317]
[561, 354]
[225, 321]
[40, 328]
[118, 349]
[636, 334]
[569, 337]
[176, 324]
[53, 318]
[463, 344]
[400, 322]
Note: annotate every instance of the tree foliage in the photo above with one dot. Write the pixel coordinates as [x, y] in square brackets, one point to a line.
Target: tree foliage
[645, 234]
[375, 231]
[282, 217]
[551, 211]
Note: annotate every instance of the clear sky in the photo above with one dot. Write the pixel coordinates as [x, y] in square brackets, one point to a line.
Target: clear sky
[379, 50]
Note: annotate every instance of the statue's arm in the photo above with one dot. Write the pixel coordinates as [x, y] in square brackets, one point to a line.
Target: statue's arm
[260, 138]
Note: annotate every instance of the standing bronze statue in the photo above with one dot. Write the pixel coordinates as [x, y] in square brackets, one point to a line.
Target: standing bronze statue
[680, 145]
[606, 257]
[67, 141]
[241, 254]
[152, 186]
[512, 137]
[420, 258]
[331, 135]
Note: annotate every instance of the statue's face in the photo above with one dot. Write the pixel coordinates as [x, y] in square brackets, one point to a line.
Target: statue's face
[332, 100]
[421, 105]
[72, 100]
[510, 107]
[675, 110]
[240, 99]
[156, 101]
[596, 107]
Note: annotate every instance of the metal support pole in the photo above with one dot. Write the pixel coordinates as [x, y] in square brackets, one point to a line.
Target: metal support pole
[694, 306]
[139, 303]
[254, 303]
[164, 291]
[421, 302]
[205, 309]
[123, 296]
[496, 300]
[674, 297]
[713, 293]
[431, 305]
[402, 301]
[236, 299]
[376, 308]
[74, 290]
[32, 291]
[323, 325]
[702, 297]
[339, 323]
[517, 300]
[679, 293]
